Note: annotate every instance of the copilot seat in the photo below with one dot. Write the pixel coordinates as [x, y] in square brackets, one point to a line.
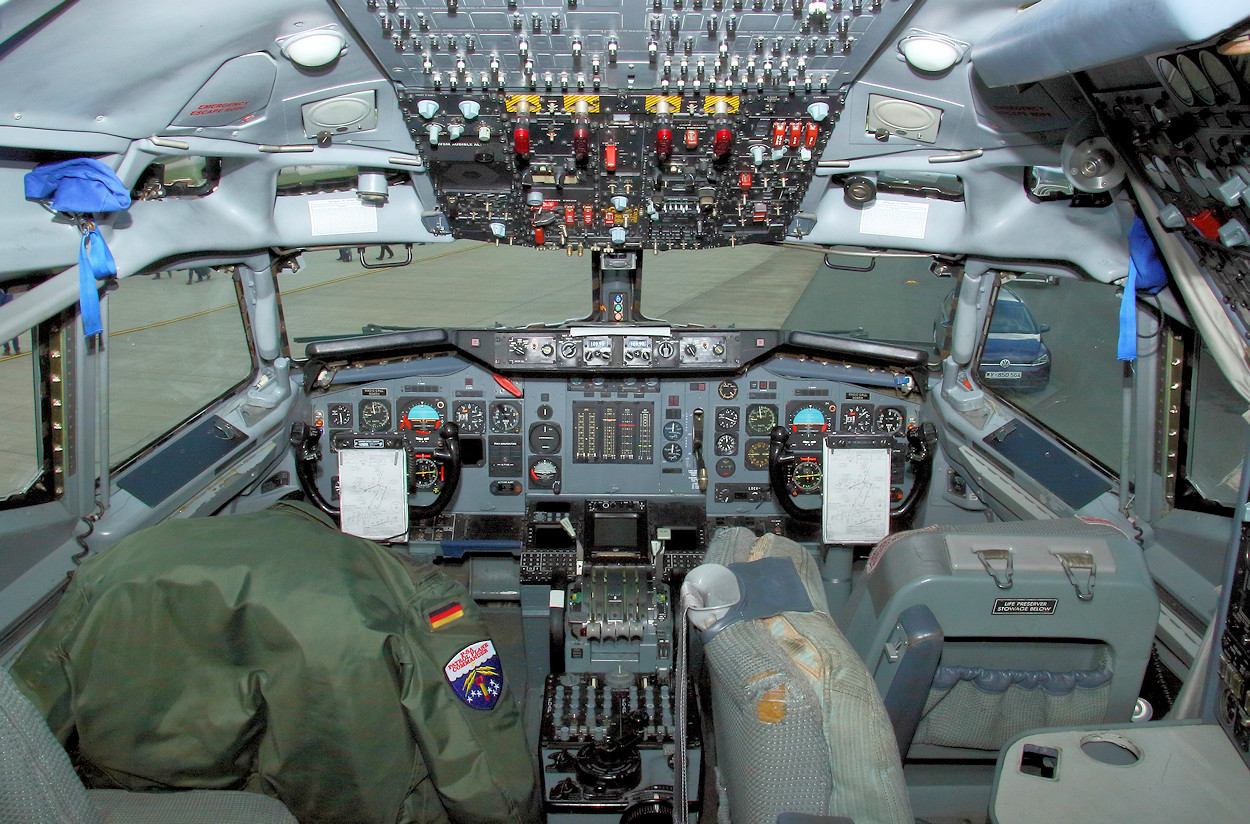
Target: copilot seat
[976, 633]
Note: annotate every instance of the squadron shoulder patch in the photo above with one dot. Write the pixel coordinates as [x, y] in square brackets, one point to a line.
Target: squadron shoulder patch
[444, 615]
[476, 675]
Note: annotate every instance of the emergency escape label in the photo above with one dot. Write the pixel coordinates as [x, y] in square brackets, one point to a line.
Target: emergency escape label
[1025, 606]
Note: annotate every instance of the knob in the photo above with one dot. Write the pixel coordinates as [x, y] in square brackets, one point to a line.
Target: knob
[427, 108]
[620, 203]
[499, 230]
[1171, 217]
[722, 142]
[454, 131]
[617, 235]
[433, 132]
[521, 141]
[757, 155]
[534, 198]
[470, 109]
[483, 133]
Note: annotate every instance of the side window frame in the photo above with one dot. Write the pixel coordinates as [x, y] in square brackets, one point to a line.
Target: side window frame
[1112, 471]
[122, 465]
[52, 365]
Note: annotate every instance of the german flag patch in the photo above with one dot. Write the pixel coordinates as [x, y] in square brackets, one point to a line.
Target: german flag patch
[444, 615]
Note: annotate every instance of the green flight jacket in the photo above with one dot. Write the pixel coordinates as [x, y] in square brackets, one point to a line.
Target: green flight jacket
[273, 653]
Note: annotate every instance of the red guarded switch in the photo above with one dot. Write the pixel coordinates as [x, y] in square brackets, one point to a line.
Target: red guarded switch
[664, 142]
[609, 157]
[692, 138]
[796, 133]
[723, 141]
[521, 141]
[779, 133]
[810, 132]
[581, 142]
[1207, 224]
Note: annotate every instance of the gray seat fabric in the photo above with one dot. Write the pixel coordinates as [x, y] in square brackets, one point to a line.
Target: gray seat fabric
[39, 786]
[800, 726]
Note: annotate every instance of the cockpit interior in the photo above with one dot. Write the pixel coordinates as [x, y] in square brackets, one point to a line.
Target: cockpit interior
[639, 411]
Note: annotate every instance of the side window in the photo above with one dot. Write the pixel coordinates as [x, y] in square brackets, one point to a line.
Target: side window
[1050, 350]
[25, 438]
[176, 343]
[1217, 429]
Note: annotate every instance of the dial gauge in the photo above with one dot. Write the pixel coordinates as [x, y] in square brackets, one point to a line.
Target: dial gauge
[727, 419]
[726, 444]
[1220, 77]
[725, 467]
[1175, 81]
[545, 438]
[856, 419]
[340, 414]
[673, 430]
[505, 417]
[761, 418]
[890, 420]
[422, 418]
[471, 417]
[728, 390]
[809, 420]
[757, 455]
[671, 452]
[375, 416]
[424, 472]
[544, 473]
[1197, 80]
[805, 475]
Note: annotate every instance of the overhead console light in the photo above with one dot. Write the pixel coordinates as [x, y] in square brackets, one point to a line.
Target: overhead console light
[1236, 45]
[931, 53]
[371, 187]
[314, 49]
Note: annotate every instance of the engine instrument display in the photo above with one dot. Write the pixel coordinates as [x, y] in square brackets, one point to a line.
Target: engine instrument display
[607, 432]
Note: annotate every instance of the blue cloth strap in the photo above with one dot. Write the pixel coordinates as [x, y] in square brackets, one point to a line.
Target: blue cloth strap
[1126, 346]
[95, 262]
[83, 186]
[1145, 272]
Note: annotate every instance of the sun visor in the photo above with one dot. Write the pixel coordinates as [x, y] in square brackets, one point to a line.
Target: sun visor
[1066, 36]
[238, 89]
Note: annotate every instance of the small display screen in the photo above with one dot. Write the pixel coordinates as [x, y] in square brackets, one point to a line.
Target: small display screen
[617, 535]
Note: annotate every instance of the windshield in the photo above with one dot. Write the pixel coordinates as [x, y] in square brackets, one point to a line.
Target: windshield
[754, 286]
[1011, 317]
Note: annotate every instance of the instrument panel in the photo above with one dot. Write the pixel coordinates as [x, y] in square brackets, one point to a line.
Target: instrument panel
[605, 436]
[1188, 135]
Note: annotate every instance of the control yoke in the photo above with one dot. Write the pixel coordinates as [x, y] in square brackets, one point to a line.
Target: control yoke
[306, 443]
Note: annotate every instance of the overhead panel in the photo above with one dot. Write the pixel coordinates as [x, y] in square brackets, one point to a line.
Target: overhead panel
[655, 124]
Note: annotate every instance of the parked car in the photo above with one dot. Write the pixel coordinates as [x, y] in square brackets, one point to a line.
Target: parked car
[1014, 356]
